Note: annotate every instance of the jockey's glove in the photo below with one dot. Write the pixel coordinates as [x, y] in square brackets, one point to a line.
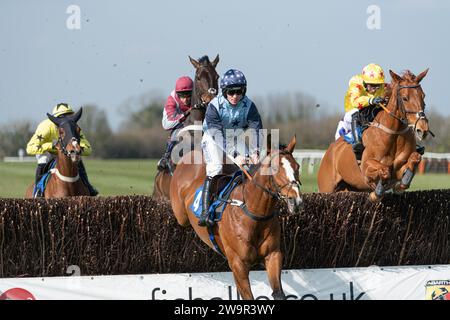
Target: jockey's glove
[376, 100]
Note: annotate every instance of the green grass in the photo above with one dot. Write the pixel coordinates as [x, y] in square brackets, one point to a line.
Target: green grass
[128, 177]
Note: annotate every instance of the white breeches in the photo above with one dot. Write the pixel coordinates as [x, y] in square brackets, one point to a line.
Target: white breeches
[45, 157]
[345, 125]
[213, 153]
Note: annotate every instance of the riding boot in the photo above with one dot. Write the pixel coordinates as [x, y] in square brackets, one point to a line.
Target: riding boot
[357, 146]
[83, 175]
[40, 171]
[204, 219]
[164, 162]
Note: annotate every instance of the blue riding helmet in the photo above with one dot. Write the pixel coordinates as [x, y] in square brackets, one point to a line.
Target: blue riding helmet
[231, 79]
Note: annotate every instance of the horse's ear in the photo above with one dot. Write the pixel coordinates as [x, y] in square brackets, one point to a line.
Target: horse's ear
[194, 62]
[216, 61]
[292, 144]
[53, 119]
[395, 76]
[422, 75]
[77, 115]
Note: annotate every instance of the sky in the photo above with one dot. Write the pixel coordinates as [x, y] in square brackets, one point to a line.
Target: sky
[125, 50]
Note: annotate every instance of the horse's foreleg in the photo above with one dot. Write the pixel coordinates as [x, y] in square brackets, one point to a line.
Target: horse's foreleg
[273, 263]
[240, 273]
[407, 171]
[376, 175]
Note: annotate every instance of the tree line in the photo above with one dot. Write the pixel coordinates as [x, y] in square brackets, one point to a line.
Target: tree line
[141, 135]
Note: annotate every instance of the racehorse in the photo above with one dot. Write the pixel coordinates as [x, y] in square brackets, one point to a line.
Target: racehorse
[65, 180]
[250, 232]
[205, 89]
[389, 160]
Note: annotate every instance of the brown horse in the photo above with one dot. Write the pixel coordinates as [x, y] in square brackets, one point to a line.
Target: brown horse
[389, 160]
[65, 180]
[249, 231]
[205, 89]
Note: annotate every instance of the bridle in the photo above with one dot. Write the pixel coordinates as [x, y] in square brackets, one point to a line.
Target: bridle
[277, 194]
[419, 115]
[403, 117]
[404, 112]
[63, 146]
[212, 91]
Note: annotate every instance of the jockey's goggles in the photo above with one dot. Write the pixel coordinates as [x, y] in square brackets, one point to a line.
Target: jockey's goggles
[184, 94]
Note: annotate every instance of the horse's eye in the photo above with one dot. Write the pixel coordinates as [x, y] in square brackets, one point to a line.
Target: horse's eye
[405, 99]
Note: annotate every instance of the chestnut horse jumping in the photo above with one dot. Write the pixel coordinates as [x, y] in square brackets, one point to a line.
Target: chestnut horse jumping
[389, 160]
[205, 89]
[64, 180]
[246, 234]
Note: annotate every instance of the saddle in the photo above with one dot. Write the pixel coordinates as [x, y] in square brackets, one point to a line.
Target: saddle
[221, 188]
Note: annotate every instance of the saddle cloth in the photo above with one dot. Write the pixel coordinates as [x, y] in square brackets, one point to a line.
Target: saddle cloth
[44, 180]
[221, 196]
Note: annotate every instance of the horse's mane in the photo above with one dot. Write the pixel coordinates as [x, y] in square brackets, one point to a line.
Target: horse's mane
[408, 75]
[204, 60]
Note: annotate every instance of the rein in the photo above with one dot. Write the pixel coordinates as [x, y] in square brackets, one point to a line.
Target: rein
[403, 120]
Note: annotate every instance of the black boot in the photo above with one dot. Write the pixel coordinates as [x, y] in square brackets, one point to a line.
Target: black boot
[357, 146]
[83, 175]
[164, 162]
[204, 217]
[40, 171]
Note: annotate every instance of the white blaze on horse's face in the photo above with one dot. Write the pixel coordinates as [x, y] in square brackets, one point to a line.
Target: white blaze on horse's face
[290, 174]
[294, 206]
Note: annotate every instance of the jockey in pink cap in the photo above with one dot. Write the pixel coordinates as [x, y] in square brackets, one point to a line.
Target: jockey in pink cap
[175, 112]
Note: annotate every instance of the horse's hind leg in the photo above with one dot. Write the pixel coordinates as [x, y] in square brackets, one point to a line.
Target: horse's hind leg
[273, 263]
[240, 273]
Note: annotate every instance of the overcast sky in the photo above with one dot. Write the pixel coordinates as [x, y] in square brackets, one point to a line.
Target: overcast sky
[126, 49]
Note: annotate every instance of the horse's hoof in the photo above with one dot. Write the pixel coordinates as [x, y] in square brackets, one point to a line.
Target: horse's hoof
[373, 197]
[279, 295]
[399, 188]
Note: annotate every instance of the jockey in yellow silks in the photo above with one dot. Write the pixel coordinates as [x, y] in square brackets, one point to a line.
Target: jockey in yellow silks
[365, 89]
[42, 145]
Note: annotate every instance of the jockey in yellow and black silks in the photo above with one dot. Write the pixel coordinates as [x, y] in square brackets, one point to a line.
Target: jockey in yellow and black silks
[42, 145]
